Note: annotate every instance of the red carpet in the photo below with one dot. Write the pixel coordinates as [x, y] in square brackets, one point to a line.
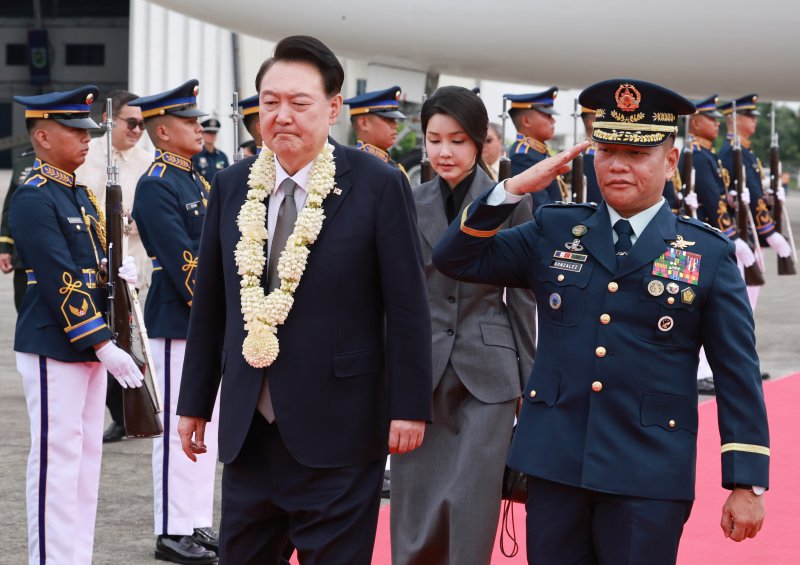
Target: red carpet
[703, 543]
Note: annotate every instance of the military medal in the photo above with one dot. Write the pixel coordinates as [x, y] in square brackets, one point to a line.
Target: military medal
[579, 230]
[655, 288]
[678, 265]
[687, 295]
[574, 245]
[555, 301]
[665, 323]
[672, 288]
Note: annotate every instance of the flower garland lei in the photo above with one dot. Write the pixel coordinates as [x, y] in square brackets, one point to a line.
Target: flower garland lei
[264, 313]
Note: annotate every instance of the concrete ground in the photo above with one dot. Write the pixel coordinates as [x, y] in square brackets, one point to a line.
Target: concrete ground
[124, 533]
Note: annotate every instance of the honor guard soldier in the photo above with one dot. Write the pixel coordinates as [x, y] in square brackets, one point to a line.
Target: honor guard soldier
[532, 115]
[61, 331]
[9, 258]
[249, 110]
[607, 433]
[747, 116]
[210, 160]
[592, 189]
[374, 116]
[169, 208]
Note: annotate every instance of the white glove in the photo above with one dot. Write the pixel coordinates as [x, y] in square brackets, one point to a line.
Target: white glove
[121, 365]
[128, 271]
[691, 201]
[744, 254]
[779, 244]
[780, 194]
[745, 197]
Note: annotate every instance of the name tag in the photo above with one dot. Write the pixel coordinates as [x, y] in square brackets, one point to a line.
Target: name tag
[566, 266]
[192, 205]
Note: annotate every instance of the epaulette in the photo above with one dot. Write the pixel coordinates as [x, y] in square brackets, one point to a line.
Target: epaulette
[157, 170]
[703, 225]
[521, 149]
[36, 180]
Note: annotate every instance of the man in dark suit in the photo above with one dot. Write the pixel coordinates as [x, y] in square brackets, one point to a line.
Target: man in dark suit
[608, 430]
[304, 441]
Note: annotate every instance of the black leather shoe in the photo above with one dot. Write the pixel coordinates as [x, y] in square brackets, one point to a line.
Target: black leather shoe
[387, 484]
[183, 549]
[114, 432]
[207, 538]
[764, 376]
[706, 386]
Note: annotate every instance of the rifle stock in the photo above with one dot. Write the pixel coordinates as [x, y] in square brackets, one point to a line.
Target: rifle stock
[786, 265]
[687, 173]
[141, 406]
[752, 274]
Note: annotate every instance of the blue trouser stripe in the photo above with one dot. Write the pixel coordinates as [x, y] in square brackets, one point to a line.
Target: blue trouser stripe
[165, 462]
[42, 455]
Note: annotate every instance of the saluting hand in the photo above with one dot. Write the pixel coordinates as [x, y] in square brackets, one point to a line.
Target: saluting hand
[539, 176]
[742, 515]
[405, 435]
[189, 426]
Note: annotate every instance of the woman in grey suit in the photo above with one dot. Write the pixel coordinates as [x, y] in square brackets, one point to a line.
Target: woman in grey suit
[446, 495]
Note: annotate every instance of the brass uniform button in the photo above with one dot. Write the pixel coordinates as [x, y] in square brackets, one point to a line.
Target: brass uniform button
[597, 386]
[560, 278]
[533, 394]
[605, 319]
[672, 423]
[78, 227]
[613, 287]
[671, 300]
[600, 351]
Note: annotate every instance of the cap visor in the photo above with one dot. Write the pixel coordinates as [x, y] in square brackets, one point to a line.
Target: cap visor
[210, 130]
[713, 114]
[391, 114]
[546, 110]
[187, 113]
[79, 123]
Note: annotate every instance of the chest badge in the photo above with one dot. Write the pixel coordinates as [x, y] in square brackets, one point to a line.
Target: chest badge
[574, 245]
[681, 243]
[655, 288]
[687, 295]
[672, 288]
[579, 230]
[555, 301]
[665, 323]
[678, 265]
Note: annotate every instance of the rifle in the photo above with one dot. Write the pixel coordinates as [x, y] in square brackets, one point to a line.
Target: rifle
[426, 170]
[578, 176]
[236, 116]
[744, 220]
[687, 172]
[141, 406]
[786, 265]
[504, 167]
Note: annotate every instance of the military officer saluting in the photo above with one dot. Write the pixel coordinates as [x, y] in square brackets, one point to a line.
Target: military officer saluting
[374, 116]
[747, 117]
[169, 208]
[63, 345]
[210, 160]
[532, 115]
[608, 429]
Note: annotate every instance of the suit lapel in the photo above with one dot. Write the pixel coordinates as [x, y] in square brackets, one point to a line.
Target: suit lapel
[598, 240]
[342, 185]
[431, 220]
[652, 241]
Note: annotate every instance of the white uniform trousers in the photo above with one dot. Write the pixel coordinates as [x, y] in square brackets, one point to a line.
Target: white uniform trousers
[183, 491]
[66, 406]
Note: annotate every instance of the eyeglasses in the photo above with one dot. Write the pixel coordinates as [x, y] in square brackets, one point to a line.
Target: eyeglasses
[133, 122]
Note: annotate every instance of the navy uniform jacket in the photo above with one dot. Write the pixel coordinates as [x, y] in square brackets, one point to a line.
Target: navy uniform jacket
[525, 153]
[611, 403]
[22, 168]
[711, 184]
[672, 192]
[169, 208]
[753, 174]
[62, 314]
[355, 350]
[209, 163]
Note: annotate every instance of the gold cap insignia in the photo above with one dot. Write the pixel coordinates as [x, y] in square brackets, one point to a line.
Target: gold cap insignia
[627, 97]
[196, 90]
[89, 98]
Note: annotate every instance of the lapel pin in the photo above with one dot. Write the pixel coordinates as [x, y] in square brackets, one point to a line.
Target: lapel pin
[337, 191]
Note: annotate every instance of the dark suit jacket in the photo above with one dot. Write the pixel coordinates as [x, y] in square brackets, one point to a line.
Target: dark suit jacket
[611, 404]
[355, 350]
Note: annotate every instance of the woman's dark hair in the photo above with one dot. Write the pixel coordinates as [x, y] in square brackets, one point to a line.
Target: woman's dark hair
[307, 49]
[465, 107]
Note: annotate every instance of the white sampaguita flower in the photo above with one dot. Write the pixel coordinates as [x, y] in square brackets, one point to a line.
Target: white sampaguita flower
[263, 314]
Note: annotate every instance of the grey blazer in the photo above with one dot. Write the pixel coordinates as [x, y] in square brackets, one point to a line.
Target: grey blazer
[489, 342]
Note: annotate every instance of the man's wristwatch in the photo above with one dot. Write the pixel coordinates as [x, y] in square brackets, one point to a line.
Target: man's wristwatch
[756, 490]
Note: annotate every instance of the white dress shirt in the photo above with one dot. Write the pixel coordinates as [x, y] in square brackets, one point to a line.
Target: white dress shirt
[301, 180]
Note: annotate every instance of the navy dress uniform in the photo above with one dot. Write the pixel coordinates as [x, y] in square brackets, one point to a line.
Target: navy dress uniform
[608, 426]
[59, 234]
[527, 151]
[249, 110]
[169, 208]
[210, 161]
[22, 167]
[711, 180]
[382, 103]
